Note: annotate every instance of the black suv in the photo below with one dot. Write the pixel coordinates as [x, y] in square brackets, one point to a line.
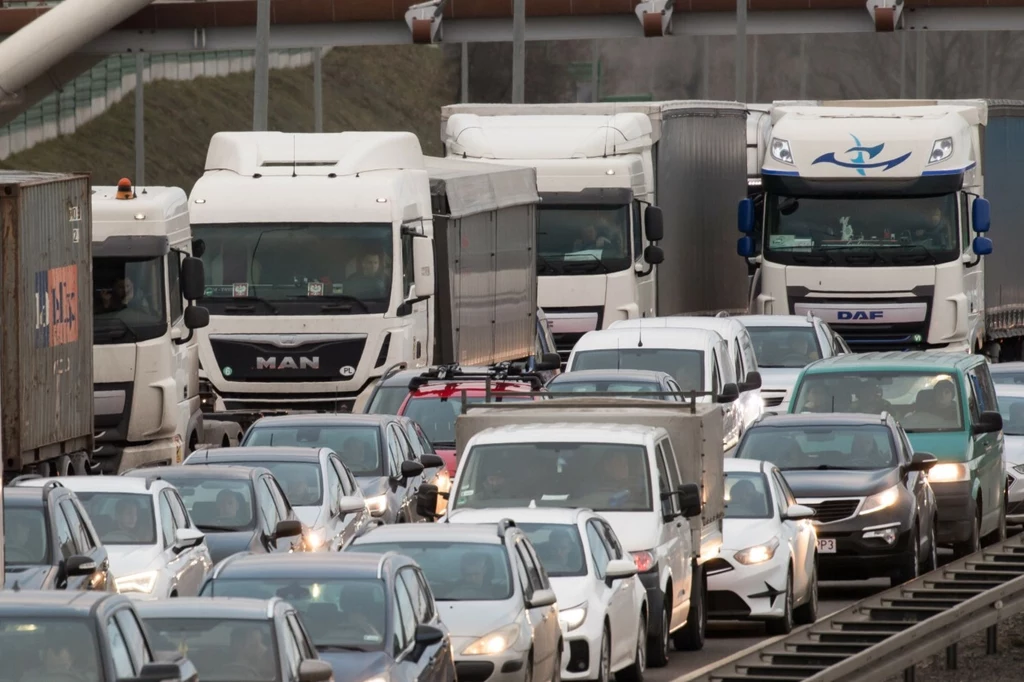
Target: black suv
[875, 511]
[79, 636]
[49, 541]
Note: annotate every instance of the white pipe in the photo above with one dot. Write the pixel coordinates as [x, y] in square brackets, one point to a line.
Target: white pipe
[61, 31]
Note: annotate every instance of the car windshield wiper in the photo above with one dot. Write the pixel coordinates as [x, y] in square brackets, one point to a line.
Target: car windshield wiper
[216, 529]
[340, 647]
[822, 467]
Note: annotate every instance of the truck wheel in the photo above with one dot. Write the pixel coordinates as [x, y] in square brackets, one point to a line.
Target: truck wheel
[62, 466]
[80, 464]
[691, 636]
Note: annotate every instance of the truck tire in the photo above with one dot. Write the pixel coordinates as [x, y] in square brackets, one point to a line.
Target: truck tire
[691, 636]
[80, 464]
[62, 466]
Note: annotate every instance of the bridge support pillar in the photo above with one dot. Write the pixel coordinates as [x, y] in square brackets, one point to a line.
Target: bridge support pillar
[656, 17]
[424, 21]
[886, 14]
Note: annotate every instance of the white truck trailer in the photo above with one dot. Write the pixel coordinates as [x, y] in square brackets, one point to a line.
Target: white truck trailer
[623, 186]
[332, 257]
[868, 215]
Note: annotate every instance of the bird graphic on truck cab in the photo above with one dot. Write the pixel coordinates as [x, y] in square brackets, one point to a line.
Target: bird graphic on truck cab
[859, 162]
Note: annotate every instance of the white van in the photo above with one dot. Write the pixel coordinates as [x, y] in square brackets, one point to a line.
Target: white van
[698, 359]
[741, 354]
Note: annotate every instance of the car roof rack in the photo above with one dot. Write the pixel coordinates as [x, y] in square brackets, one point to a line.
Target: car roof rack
[50, 486]
[652, 399]
[504, 525]
[453, 373]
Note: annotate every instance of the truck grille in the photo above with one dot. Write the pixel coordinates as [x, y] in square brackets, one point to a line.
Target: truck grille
[260, 359]
[830, 511]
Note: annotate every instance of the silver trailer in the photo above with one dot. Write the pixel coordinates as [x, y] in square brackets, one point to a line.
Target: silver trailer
[695, 430]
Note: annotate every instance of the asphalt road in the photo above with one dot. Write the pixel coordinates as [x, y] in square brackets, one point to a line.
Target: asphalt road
[726, 639]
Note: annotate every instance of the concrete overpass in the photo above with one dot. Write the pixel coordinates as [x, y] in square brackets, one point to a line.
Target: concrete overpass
[230, 24]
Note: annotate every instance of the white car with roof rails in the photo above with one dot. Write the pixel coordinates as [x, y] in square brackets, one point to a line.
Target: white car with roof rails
[1011, 406]
[602, 604]
[784, 345]
[698, 359]
[767, 569]
[741, 354]
[154, 547]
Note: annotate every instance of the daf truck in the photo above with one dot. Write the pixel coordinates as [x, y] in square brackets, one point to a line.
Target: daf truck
[146, 353]
[331, 257]
[874, 220]
[623, 187]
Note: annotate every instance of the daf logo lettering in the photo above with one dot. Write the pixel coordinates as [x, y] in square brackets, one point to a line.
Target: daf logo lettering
[288, 362]
[860, 314]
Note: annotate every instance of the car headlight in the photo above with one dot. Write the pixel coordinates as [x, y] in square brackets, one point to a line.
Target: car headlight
[880, 501]
[574, 617]
[495, 642]
[443, 480]
[758, 554]
[1019, 468]
[378, 504]
[137, 582]
[949, 472]
[315, 539]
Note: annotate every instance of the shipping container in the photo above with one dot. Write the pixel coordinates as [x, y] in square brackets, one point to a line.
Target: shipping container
[696, 432]
[485, 231]
[46, 397]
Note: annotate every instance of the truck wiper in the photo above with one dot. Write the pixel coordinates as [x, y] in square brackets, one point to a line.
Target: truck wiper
[128, 331]
[926, 255]
[337, 307]
[546, 265]
[806, 258]
[574, 261]
[251, 299]
[872, 254]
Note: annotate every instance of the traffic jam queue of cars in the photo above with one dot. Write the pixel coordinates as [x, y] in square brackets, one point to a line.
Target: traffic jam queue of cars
[493, 524]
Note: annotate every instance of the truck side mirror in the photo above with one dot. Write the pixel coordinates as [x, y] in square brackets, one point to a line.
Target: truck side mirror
[196, 317]
[654, 224]
[729, 393]
[193, 278]
[654, 255]
[548, 361]
[689, 500]
[745, 216]
[753, 381]
[198, 247]
[423, 266]
[981, 216]
[745, 246]
[426, 501]
[982, 246]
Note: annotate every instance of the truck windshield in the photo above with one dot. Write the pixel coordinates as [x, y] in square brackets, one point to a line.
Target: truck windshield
[881, 231]
[685, 366]
[50, 648]
[824, 447]
[297, 268]
[26, 541]
[583, 240]
[785, 346]
[604, 477]
[919, 401]
[128, 300]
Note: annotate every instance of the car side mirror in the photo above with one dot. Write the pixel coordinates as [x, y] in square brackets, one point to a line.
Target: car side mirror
[922, 461]
[689, 500]
[188, 537]
[728, 394]
[426, 501]
[548, 361]
[654, 224]
[411, 468]
[428, 635]
[541, 598]
[796, 512]
[431, 461]
[350, 503]
[196, 317]
[753, 381]
[288, 528]
[989, 422]
[314, 670]
[619, 569]
[79, 565]
[192, 278]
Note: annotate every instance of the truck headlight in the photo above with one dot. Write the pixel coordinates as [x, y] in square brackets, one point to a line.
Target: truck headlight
[574, 617]
[758, 554]
[781, 151]
[880, 501]
[378, 504]
[495, 642]
[137, 582]
[949, 472]
[942, 149]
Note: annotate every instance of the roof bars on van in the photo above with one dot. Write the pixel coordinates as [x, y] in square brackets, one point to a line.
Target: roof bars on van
[503, 371]
[23, 477]
[504, 525]
[50, 486]
[653, 399]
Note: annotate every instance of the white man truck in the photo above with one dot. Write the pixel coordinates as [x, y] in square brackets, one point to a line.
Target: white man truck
[623, 186]
[868, 216]
[145, 351]
[332, 257]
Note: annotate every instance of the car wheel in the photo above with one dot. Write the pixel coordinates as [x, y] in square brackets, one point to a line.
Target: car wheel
[691, 636]
[931, 561]
[973, 543]
[556, 676]
[604, 665]
[784, 625]
[911, 561]
[635, 672]
[528, 677]
[999, 534]
[657, 645]
[808, 611]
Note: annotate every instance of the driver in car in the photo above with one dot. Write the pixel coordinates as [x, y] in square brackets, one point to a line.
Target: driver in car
[126, 517]
[229, 508]
[356, 455]
[60, 660]
[254, 653]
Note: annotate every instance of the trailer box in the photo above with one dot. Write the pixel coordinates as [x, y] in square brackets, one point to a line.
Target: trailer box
[46, 396]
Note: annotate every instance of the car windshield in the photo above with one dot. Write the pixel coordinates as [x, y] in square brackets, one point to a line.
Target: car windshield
[829, 446]
[302, 268]
[685, 366]
[567, 385]
[346, 613]
[437, 415]
[747, 496]
[301, 481]
[582, 240]
[387, 400]
[358, 446]
[26, 541]
[1012, 409]
[49, 649]
[785, 346]
[598, 476]
[121, 518]
[1007, 377]
[456, 571]
[221, 650]
[919, 401]
[869, 231]
[559, 547]
[128, 300]
[216, 505]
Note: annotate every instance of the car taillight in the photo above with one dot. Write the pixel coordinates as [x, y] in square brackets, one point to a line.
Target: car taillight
[644, 561]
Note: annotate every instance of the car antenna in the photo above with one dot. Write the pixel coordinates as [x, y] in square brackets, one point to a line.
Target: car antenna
[640, 334]
[295, 160]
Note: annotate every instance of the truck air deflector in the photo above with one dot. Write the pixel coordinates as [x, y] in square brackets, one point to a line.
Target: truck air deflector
[132, 246]
[592, 196]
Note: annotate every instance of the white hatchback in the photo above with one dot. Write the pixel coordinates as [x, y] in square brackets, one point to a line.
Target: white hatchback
[602, 604]
[154, 548]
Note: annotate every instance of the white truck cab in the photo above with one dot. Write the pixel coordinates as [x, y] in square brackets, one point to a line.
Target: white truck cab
[869, 211]
[698, 359]
[145, 352]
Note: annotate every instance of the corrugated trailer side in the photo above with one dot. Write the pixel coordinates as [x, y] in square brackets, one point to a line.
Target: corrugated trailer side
[702, 174]
[485, 219]
[1003, 167]
[46, 288]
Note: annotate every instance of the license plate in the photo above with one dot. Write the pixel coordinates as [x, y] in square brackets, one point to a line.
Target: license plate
[827, 546]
